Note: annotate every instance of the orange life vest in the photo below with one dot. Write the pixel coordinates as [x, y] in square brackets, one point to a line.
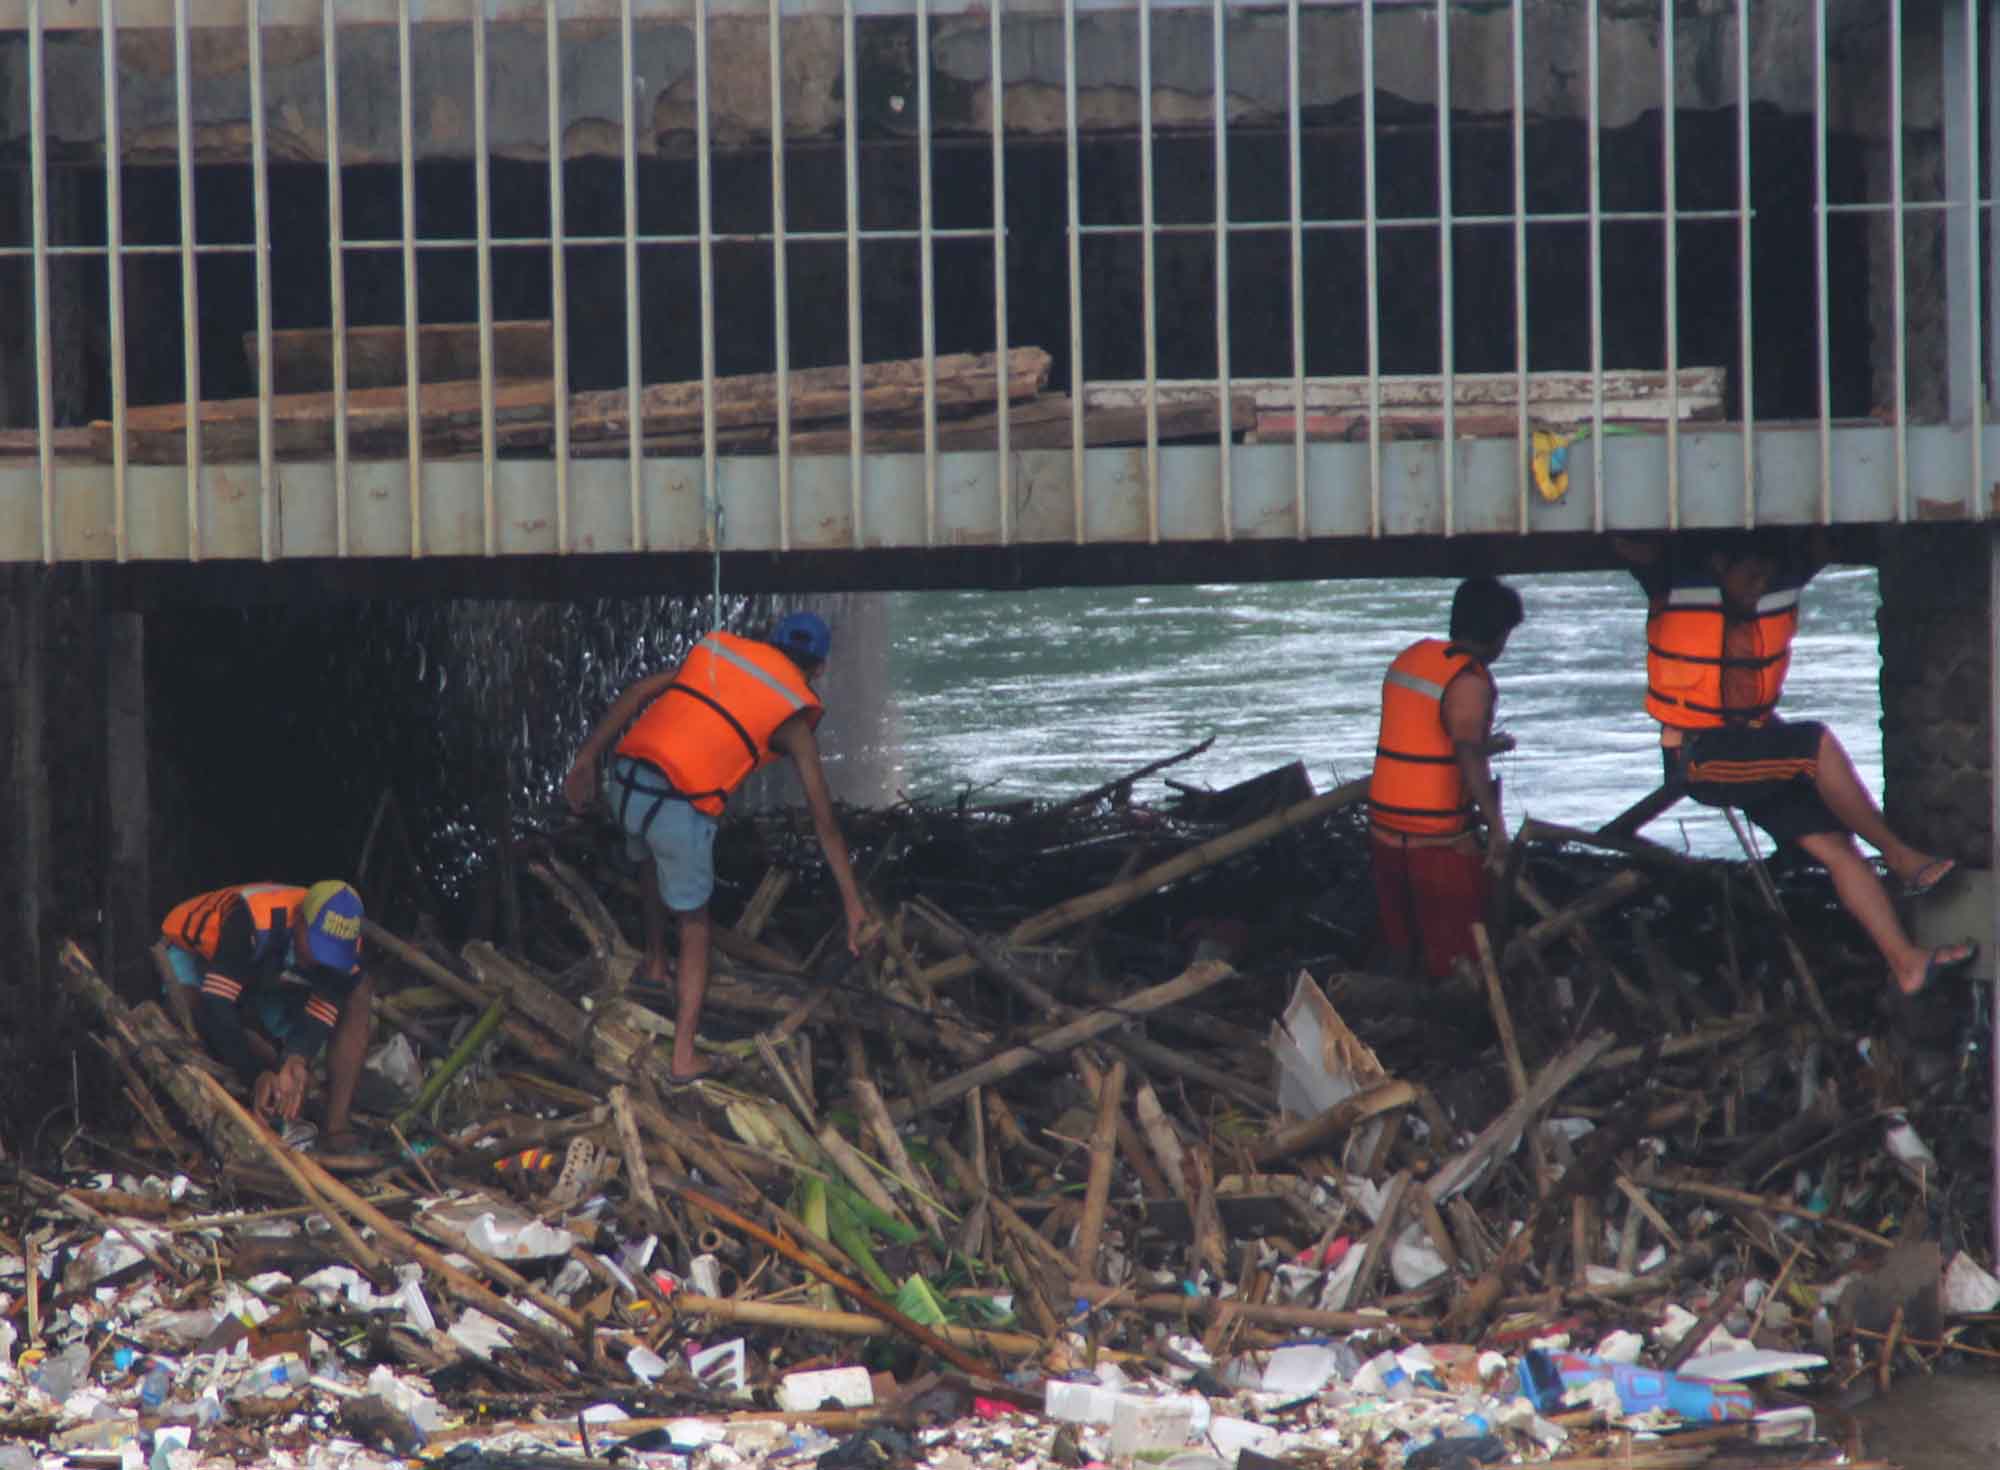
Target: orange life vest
[1686, 660]
[713, 724]
[196, 923]
[1417, 786]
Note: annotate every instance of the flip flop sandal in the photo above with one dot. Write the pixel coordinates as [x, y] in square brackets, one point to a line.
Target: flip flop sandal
[1929, 876]
[1935, 965]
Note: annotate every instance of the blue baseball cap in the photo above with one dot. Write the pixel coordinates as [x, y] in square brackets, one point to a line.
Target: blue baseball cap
[804, 635]
[332, 914]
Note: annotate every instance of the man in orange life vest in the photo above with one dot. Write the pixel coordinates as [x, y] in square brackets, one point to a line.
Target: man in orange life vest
[734, 704]
[1722, 612]
[270, 974]
[1431, 782]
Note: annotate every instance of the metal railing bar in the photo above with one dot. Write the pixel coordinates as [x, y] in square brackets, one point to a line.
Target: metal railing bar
[336, 229]
[628, 166]
[1003, 408]
[1747, 316]
[558, 271]
[1219, 69]
[260, 213]
[482, 189]
[781, 345]
[1524, 442]
[1976, 502]
[1823, 285]
[927, 269]
[38, 189]
[190, 287]
[1073, 206]
[1671, 278]
[851, 238]
[114, 278]
[1448, 449]
[1372, 266]
[1595, 209]
[1148, 279]
[711, 498]
[1295, 164]
[412, 371]
[1899, 295]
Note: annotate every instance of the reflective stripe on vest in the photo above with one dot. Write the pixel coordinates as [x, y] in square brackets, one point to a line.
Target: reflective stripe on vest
[1416, 786]
[1685, 659]
[734, 694]
[195, 924]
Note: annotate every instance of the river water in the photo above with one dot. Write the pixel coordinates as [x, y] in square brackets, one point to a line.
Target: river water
[1049, 693]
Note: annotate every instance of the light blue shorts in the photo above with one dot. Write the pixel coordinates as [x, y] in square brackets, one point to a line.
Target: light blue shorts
[680, 839]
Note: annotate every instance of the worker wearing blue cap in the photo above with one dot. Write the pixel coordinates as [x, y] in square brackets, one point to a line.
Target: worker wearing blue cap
[734, 704]
[269, 975]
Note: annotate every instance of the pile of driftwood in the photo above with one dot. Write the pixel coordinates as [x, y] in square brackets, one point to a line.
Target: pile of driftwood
[1117, 1070]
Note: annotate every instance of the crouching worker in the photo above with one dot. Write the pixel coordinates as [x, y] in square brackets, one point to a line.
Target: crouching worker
[734, 704]
[269, 974]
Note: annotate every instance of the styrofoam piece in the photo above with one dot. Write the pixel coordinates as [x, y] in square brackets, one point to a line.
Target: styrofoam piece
[800, 1393]
[1967, 1287]
[1078, 1403]
[1231, 1437]
[1142, 1425]
[1742, 1364]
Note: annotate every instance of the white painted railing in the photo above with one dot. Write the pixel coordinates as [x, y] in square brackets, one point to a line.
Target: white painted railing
[1291, 483]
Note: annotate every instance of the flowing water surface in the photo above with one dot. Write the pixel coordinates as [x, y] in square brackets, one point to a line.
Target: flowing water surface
[1049, 693]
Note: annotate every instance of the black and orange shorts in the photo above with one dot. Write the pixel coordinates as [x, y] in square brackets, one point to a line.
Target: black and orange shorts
[1769, 772]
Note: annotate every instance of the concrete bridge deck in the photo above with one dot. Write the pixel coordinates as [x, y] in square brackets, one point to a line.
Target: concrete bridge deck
[1846, 474]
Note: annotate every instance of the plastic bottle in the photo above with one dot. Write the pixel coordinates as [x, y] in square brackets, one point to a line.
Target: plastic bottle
[270, 1377]
[156, 1385]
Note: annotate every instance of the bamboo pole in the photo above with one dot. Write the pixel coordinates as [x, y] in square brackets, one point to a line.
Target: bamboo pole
[461, 1056]
[1051, 1044]
[465, 1287]
[1103, 1153]
[1117, 895]
[1322, 1128]
[923, 1335]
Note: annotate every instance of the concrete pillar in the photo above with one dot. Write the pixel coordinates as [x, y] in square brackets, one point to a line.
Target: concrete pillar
[129, 917]
[24, 849]
[1936, 662]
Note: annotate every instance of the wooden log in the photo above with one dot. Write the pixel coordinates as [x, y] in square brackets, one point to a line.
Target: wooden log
[1322, 1128]
[1097, 1189]
[787, 1315]
[302, 357]
[1074, 911]
[157, 1048]
[1499, 1136]
[1160, 1137]
[996, 961]
[1054, 1043]
[1510, 1049]
[1311, 1319]
[467, 1288]
[1362, 1284]
[1606, 895]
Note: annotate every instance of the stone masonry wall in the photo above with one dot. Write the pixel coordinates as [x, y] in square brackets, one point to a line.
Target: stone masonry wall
[1936, 706]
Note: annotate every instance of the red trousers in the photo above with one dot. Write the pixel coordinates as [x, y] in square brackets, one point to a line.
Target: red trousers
[1429, 898]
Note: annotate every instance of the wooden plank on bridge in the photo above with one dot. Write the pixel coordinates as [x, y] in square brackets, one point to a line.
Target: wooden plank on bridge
[449, 414]
[302, 358]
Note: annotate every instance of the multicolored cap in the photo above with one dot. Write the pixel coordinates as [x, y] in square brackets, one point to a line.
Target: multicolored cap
[332, 913]
[804, 635]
